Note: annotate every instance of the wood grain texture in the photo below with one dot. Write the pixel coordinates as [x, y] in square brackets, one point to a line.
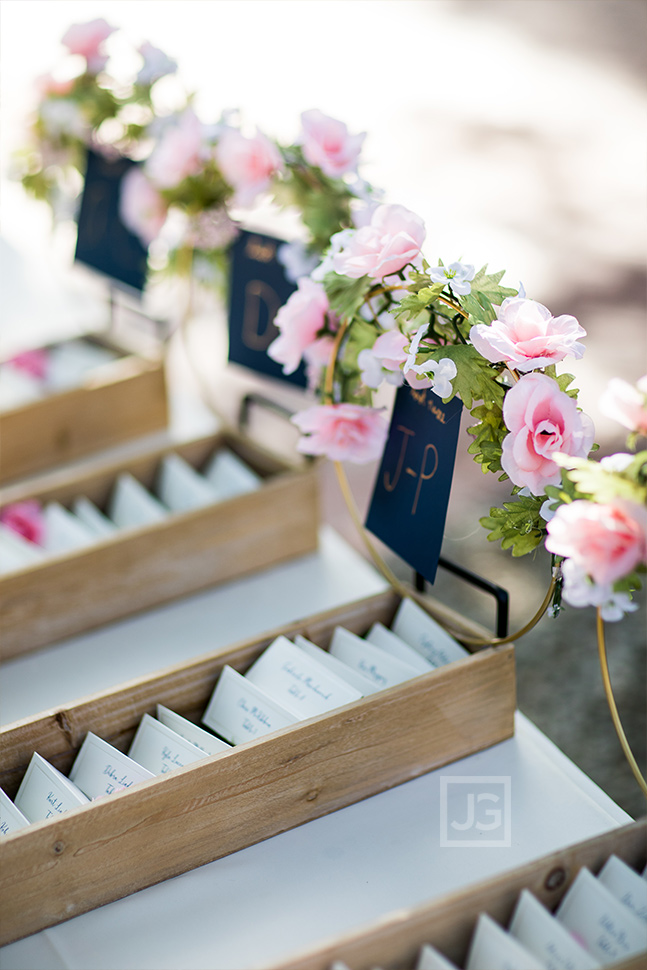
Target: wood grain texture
[57, 869]
[394, 942]
[130, 571]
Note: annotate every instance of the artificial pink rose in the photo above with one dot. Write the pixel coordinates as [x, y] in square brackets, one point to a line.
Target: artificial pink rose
[342, 432]
[328, 145]
[35, 363]
[525, 335]
[542, 420]
[248, 164]
[141, 207]
[626, 404]
[299, 321]
[87, 40]
[607, 541]
[392, 239]
[179, 153]
[389, 349]
[26, 519]
[317, 357]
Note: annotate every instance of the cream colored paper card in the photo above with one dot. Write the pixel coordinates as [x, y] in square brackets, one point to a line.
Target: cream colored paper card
[372, 662]
[606, 927]
[538, 930]
[100, 769]
[64, 532]
[230, 476]
[202, 739]
[240, 711]
[494, 949]
[160, 749]
[131, 505]
[180, 487]
[94, 520]
[421, 632]
[626, 885]
[46, 793]
[16, 552]
[351, 676]
[393, 644]
[298, 682]
[11, 818]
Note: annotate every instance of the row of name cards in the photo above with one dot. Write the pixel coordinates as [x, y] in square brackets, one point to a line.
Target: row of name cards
[292, 681]
[179, 487]
[599, 922]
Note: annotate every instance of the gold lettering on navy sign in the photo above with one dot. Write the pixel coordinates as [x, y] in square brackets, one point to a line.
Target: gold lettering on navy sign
[429, 463]
[257, 296]
[260, 250]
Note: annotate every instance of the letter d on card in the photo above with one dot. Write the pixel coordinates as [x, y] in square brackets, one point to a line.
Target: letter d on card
[411, 493]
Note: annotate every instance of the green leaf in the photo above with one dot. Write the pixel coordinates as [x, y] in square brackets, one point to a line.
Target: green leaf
[476, 377]
[518, 525]
[346, 295]
[488, 434]
[592, 480]
[360, 336]
[485, 291]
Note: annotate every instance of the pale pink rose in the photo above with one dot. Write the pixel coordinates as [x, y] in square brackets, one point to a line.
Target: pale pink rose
[526, 336]
[26, 519]
[389, 349]
[87, 40]
[317, 357]
[342, 432]
[542, 420]
[179, 153]
[392, 239]
[141, 207]
[299, 321]
[33, 362]
[328, 145]
[626, 404]
[383, 360]
[248, 164]
[608, 541]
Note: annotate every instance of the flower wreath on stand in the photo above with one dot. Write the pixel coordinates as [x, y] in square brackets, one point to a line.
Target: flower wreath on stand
[375, 310]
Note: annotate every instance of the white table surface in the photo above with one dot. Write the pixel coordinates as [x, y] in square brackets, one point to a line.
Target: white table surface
[325, 877]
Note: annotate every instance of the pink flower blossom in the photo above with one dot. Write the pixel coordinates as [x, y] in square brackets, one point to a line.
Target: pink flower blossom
[299, 321]
[542, 420]
[392, 239]
[87, 40]
[580, 590]
[33, 362]
[526, 336]
[607, 540]
[141, 207]
[26, 519]
[178, 154]
[342, 432]
[383, 360]
[626, 404]
[328, 145]
[317, 357]
[248, 164]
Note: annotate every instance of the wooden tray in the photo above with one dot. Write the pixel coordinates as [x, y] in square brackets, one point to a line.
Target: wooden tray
[135, 569]
[124, 399]
[59, 868]
[394, 942]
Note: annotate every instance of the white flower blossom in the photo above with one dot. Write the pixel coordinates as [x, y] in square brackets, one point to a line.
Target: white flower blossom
[457, 276]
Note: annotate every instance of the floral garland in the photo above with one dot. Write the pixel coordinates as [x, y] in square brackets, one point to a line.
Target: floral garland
[375, 310]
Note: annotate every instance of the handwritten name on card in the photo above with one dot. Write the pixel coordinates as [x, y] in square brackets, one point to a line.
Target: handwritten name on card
[411, 494]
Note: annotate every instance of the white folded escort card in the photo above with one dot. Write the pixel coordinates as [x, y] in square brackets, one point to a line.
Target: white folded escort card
[181, 488]
[606, 927]
[494, 949]
[11, 818]
[132, 505]
[160, 749]
[626, 885]
[202, 739]
[393, 644]
[16, 552]
[45, 792]
[230, 476]
[421, 632]
[374, 663]
[63, 531]
[349, 674]
[432, 959]
[240, 711]
[18, 388]
[538, 930]
[100, 769]
[94, 520]
[69, 362]
[299, 682]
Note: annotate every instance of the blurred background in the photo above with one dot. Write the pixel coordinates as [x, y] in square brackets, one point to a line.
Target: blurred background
[517, 130]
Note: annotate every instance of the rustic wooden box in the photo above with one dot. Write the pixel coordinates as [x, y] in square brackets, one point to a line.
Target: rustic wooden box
[123, 399]
[59, 868]
[139, 568]
[394, 942]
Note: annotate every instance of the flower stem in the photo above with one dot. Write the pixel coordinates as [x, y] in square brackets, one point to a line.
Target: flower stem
[330, 369]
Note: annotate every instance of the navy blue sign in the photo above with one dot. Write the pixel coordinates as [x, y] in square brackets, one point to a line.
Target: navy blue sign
[258, 288]
[103, 242]
[411, 493]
